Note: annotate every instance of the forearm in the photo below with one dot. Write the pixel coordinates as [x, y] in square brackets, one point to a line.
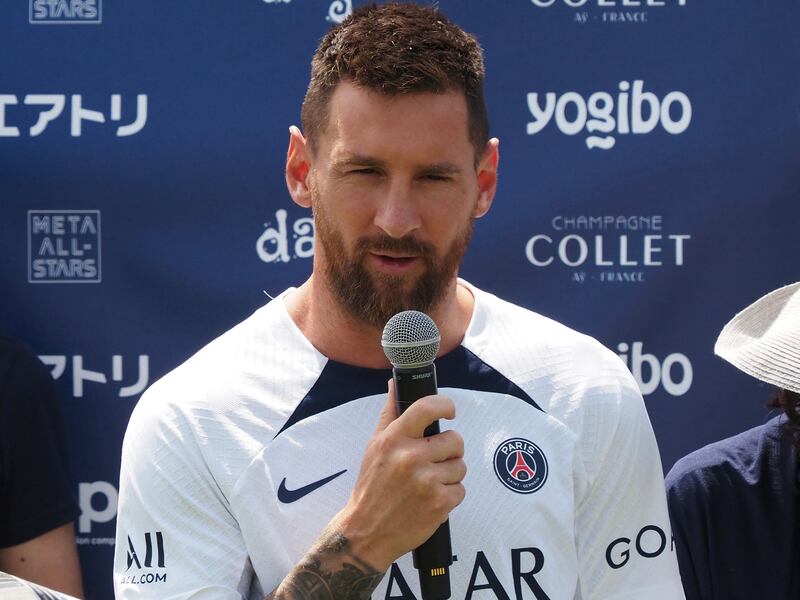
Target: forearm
[331, 570]
[50, 559]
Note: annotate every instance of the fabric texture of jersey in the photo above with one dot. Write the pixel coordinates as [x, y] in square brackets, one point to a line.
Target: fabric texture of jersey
[14, 588]
[233, 464]
[35, 486]
[733, 506]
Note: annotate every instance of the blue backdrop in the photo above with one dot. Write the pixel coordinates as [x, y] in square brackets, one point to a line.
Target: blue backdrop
[650, 179]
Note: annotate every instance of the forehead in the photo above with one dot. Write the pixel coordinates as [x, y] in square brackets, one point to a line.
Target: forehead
[422, 127]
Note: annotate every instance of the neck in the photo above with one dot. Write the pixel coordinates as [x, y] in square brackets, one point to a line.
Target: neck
[342, 337]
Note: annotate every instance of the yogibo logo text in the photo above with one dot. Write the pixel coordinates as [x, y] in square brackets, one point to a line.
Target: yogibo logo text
[602, 116]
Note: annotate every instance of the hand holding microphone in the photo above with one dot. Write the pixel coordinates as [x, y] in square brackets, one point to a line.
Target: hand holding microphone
[411, 341]
[409, 483]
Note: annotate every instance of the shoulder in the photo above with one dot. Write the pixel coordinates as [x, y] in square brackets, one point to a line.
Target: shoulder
[236, 367]
[19, 365]
[553, 360]
[720, 465]
[226, 401]
[572, 377]
[27, 387]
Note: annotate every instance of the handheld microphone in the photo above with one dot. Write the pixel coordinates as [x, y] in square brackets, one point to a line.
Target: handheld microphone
[410, 341]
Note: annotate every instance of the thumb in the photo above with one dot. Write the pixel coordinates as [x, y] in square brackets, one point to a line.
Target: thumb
[389, 410]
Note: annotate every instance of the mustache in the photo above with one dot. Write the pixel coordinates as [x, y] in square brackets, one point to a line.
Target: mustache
[404, 245]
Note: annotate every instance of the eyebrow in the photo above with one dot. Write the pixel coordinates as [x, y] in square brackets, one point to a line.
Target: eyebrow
[359, 160]
[356, 160]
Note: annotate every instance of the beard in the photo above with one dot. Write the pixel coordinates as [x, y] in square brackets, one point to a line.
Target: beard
[376, 297]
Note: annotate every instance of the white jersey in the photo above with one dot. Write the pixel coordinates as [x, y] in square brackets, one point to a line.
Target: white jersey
[233, 464]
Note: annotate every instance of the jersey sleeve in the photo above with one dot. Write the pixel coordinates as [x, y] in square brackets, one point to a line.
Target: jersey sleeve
[176, 535]
[35, 486]
[624, 540]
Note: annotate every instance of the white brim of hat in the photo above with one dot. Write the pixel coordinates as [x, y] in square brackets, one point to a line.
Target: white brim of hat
[764, 339]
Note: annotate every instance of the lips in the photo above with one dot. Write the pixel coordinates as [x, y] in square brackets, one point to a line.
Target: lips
[394, 263]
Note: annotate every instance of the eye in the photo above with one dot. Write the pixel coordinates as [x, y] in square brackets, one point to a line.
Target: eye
[364, 171]
[435, 177]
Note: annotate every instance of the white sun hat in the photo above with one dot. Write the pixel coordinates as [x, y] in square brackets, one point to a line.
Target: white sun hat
[764, 339]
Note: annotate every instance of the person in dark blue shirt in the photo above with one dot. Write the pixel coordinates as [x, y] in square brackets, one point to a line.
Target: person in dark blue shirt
[37, 507]
[734, 503]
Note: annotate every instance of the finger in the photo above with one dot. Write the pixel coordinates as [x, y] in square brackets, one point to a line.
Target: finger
[452, 496]
[444, 446]
[457, 493]
[423, 412]
[389, 410]
[451, 471]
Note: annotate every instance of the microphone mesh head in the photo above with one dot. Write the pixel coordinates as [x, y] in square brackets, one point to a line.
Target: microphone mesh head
[410, 339]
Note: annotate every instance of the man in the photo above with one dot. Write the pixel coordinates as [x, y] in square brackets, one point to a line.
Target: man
[257, 467]
[734, 502]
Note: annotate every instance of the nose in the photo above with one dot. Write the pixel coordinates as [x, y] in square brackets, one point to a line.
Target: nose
[397, 214]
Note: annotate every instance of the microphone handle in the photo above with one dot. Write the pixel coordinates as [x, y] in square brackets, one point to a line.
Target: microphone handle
[434, 557]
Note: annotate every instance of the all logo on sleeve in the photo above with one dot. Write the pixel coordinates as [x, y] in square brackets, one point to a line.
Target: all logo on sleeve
[520, 465]
[149, 567]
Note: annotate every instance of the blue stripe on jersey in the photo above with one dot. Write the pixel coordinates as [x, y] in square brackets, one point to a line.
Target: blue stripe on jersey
[340, 383]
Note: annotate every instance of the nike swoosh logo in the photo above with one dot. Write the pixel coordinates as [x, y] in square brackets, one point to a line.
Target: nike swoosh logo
[288, 496]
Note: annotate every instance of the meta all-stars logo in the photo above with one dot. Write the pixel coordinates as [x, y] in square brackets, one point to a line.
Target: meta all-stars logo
[520, 465]
[65, 12]
[146, 560]
[64, 246]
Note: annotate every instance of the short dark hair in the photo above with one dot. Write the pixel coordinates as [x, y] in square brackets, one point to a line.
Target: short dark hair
[397, 49]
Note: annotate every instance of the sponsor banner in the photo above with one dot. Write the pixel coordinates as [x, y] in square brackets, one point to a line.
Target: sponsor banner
[128, 377]
[98, 504]
[674, 373]
[65, 12]
[49, 107]
[64, 246]
[608, 249]
[609, 12]
[282, 242]
[602, 116]
[338, 10]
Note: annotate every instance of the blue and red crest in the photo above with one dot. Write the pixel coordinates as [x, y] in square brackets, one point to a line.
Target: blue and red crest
[520, 465]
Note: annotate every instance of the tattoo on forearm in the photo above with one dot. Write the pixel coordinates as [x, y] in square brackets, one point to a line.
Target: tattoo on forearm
[330, 571]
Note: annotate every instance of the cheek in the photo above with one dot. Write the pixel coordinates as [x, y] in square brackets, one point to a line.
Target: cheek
[449, 212]
[348, 221]
[355, 218]
[350, 197]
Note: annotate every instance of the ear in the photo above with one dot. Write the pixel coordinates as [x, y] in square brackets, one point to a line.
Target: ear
[298, 167]
[487, 177]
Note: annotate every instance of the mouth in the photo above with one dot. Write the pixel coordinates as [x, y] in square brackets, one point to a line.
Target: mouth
[394, 264]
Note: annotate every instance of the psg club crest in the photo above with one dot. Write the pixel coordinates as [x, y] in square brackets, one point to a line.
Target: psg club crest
[520, 465]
